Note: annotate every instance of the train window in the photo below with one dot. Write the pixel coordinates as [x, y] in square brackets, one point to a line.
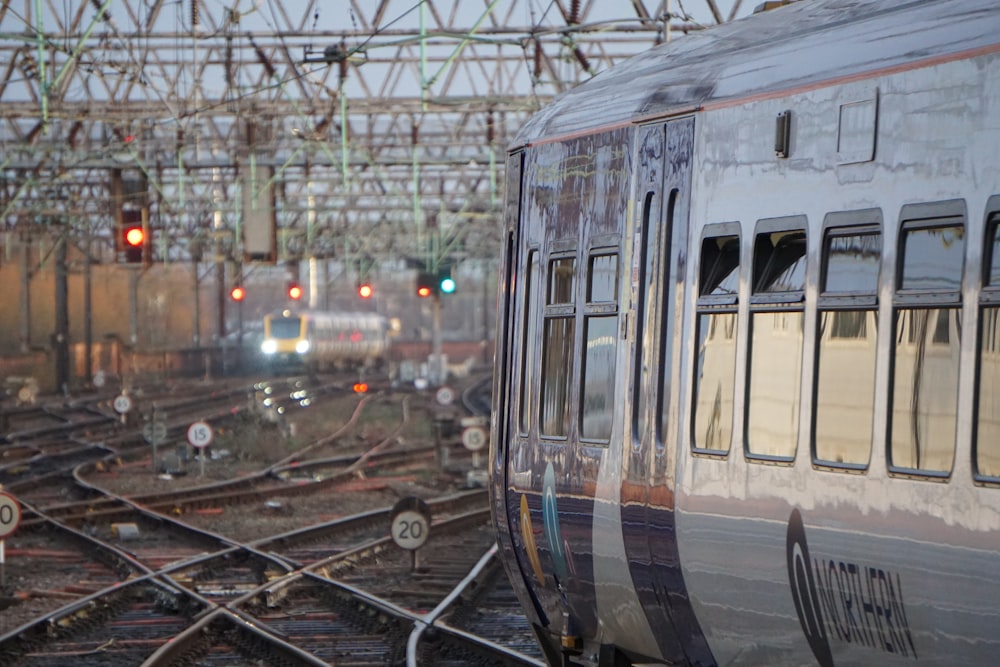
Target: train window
[776, 333]
[988, 413]
[987, 451]
[598, 388]
[557, 372]
[715, 381]
[528, 337]
[779, 262]
[720, 263]
[600, 341]
[715, 368]
[844, 400]
[558, 360]
[932, 258]
[851, 261]
[645, 357]
[286, 327]
[927, 346]
[603, 286]
[993, 252]
[925, 388]
[562, 280]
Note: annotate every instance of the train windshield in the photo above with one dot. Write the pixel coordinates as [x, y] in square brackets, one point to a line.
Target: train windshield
[286, 327]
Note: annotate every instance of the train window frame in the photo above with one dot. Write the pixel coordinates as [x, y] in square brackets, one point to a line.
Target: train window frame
[989, 299]
[644, 262]
[926, 294]
[780, 304]
[529, 336]
[595, 256]
[507, 307]
[761, 291]
[991, 291]
[551, 288]
[844, 224]
[710, 305]
[591, 311]
[908, 300]
[565, 378]
[553, 312]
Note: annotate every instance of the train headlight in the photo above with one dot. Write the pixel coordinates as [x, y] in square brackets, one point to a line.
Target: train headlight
[302, 346]
[269, 346]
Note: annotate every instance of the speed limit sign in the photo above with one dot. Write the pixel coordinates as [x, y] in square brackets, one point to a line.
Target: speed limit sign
[122, 404]
[10, 514]
[445, 396]
[474, 438]
[411, 523]
[200, 434]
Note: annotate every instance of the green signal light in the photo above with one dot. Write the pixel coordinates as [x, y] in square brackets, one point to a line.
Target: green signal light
[447, 285]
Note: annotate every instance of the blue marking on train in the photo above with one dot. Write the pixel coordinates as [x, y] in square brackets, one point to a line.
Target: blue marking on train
[550, 519]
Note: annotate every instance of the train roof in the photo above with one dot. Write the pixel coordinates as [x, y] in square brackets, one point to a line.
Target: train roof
[804, 44]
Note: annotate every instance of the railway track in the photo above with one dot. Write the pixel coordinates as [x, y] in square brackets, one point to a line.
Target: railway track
[198, 574]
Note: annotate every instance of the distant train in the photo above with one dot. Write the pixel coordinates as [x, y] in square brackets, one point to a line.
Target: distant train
[746, 405]
[319, 341]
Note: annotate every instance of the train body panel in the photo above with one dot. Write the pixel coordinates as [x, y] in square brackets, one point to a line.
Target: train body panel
[744, 406]
[321, 340]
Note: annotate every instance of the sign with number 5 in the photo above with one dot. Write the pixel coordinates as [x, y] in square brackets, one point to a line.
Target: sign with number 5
[200, 434]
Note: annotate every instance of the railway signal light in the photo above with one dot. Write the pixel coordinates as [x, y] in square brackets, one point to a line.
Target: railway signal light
[365, 290]
[426, 284]
[446, 284]
[133, 242]
[237, 293]
[294, 291]
[360, 387]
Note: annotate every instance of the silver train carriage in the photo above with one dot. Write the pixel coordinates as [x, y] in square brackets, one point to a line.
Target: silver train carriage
[745, 405]
[321, 341]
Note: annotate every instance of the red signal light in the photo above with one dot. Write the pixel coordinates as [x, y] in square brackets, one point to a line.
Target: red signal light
[426, 284]
[360, 387]
[134, 237]
[237, 293]
[294, 291]
[365, 290]
[132, 240]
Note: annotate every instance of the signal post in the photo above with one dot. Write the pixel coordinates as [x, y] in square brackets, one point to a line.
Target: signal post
[431, 285]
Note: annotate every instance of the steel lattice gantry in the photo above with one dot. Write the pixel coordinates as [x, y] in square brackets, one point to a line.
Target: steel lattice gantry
[379, 126]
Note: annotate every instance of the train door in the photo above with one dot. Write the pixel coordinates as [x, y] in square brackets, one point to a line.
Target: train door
[517, 271]
[503, 360]
[563, 397]
[660, 246]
